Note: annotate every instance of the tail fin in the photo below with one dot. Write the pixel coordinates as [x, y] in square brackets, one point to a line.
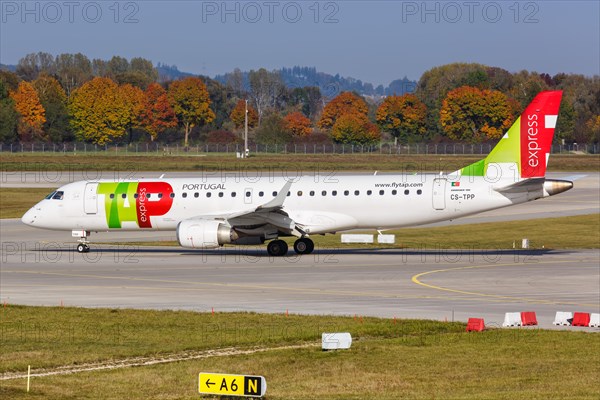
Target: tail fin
[524, 150]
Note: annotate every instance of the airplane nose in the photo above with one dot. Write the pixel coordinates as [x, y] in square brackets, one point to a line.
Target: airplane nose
[29, 217]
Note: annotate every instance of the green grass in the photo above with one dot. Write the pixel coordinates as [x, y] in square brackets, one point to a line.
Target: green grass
[388, 360]
[276, 162]
[14, 202]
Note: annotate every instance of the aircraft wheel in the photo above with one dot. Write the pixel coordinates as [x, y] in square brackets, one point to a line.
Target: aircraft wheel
[83, 248]
[277, 248]
[304, 246]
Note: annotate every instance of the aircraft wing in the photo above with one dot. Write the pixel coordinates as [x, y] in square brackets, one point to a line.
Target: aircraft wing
[270, 213]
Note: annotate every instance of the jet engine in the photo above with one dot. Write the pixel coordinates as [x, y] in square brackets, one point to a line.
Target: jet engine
[205, 234]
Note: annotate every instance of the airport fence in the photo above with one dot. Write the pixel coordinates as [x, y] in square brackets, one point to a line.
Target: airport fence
[290, 148]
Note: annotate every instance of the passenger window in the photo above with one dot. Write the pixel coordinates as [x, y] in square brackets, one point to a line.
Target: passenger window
[419, 191]
[124, 196]
[184, 195]
[261, 194]
[274, 194]
[382, 192]
[58, 195]
[394, 192]
[289, 193]
[233, 194]
[248, 194]
[406, 191]
[112, 196]
[147, 196]
[334, 193]
[346, 193]
[198, 194]
[369, 192]
[324, 193]
[135, 195]
[356, 192]
[220, 194]
[299, 193]
[172, 195]
[208, 194]
[160, 195]
[312, 192]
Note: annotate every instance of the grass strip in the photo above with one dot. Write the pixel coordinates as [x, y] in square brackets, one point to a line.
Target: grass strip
[310, 163]
[389, 359]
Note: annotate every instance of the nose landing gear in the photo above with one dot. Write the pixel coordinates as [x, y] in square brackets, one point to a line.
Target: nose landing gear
[83, 246]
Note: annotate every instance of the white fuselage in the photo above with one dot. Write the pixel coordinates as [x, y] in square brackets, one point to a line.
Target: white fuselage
[321, 204]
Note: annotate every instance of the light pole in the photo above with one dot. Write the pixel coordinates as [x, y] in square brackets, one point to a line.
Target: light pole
[246, 150]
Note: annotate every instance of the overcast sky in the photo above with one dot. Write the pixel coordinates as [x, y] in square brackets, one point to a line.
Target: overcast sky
[375, 41]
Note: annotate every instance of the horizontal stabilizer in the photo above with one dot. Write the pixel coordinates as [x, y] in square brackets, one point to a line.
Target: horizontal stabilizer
[550, 186]
[525, 185]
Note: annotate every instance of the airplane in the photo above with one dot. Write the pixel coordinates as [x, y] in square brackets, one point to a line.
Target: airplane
[210, 212]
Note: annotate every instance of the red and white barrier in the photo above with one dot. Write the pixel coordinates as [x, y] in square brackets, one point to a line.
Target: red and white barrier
[512, 319]
[563, 318]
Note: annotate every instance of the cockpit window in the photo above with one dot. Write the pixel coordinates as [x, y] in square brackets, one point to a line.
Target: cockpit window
[50, 195]
[58, 195]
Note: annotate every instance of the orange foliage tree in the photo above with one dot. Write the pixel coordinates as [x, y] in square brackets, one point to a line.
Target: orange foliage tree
[32, 115]
[191, 103]
[344, 103]
[297, 124]
[355, 128]
[473, 115]
[157, 113]
[402, 116]
[101, 111]
[133, 102]
[238, 118]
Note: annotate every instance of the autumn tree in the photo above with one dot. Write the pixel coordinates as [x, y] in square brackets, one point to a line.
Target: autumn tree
[594, 127]
[355, 128]
[473, 115]
[132, 98]
[100, 111]
[238, 118]
[191, 103]
[157, 114]
[402, 116]
[297, 124]
[344, 103]
[54, 100]
[32, 115]
[8, 114]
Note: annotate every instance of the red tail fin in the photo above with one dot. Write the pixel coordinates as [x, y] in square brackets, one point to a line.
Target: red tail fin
[537, 130]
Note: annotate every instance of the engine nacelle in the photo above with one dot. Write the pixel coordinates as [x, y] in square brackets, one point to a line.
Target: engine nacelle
[204, 234]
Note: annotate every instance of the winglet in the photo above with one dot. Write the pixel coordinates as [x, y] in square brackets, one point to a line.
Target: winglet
[277, 202]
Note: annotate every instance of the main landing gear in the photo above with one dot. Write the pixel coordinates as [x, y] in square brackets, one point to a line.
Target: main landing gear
[279, 248]
[83, 246]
